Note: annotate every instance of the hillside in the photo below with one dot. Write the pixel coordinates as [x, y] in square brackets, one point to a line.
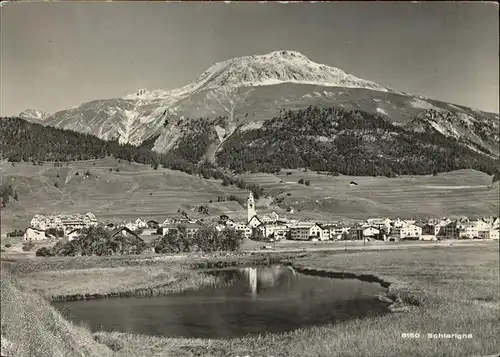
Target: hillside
[253, 89]
[457, 193]
[351, 143]
[135, 190]
[138, 190]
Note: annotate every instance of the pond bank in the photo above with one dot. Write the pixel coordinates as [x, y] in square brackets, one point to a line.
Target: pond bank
[455, 290]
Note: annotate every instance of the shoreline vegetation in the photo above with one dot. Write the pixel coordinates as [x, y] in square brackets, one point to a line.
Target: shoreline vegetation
[438, 290]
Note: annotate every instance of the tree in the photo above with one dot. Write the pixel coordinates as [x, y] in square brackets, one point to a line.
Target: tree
[301, 181]
[308, 183]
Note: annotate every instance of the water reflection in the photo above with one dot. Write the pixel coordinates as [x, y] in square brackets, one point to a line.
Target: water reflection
[244, 301]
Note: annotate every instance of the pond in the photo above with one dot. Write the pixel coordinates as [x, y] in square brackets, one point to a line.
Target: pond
[244, 301]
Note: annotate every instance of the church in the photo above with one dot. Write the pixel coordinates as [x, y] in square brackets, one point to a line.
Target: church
[253, 221]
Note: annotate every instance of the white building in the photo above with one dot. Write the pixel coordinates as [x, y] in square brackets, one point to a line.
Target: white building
[254, 222]
[140, 223]
[34, 234]
[276, 231]
[406, 231]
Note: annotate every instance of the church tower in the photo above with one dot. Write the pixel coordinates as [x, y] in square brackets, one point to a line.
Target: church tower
[250, 207]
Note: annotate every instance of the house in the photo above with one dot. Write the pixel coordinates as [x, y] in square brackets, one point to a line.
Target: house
[167, 220]
[191, 228]
[125, 232]
[34, 234]
[266, 219]
[494, 234]
[353, 183]
[449, 230]
[152, 224]
[488, 233]
[140, 223]
[244, 230]
[365, 232]
[406, 231]
[306, 231]
[64, 222]
[335, 231]
[39, 222]
[468, 231]
[254, 222]
[274, 216]
[71, 235]
[380, 223]
[273, 231]
[230, 223]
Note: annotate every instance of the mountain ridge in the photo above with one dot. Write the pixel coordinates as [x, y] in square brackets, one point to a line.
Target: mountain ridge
[250, 90]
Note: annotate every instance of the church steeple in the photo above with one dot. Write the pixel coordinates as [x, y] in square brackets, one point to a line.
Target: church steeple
[250, 207]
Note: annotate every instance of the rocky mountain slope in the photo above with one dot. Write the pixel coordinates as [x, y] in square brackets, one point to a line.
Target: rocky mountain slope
[33, 115]
[241, 94]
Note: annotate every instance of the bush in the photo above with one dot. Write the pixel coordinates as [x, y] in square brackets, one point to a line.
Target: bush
[308, 183]
[43, 252]
[15, 233]
[301, 181]
[207, 239]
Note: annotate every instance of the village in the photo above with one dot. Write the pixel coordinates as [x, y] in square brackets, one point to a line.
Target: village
[271, 227]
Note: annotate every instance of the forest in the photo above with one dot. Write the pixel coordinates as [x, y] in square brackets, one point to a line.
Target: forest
[347, 142]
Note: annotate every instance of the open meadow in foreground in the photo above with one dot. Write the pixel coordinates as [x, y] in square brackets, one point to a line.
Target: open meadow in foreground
[451, 289]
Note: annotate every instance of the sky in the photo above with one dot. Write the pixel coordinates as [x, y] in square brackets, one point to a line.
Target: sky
[56, 55]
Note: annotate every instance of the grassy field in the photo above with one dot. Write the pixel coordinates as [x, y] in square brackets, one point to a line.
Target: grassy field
[135, 191]
[455, 287]
[463, 192]
[139, 191]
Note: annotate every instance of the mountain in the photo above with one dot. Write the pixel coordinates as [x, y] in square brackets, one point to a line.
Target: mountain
[33, 115]
[238, 97]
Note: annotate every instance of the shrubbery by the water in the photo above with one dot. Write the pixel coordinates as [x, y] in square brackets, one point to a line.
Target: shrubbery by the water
[96, 241]
[100, 241]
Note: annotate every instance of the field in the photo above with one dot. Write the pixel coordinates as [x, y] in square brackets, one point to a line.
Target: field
[458, 193]
[139, 191]
[135, 191]
[454, 289]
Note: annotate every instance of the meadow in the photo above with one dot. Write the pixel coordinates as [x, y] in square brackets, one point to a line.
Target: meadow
[134, 191]
[138, 190]
[458, 193]
[451, 288]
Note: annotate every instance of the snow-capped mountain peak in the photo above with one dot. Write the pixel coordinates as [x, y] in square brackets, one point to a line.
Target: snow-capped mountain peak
[33, 114]
[276, 67]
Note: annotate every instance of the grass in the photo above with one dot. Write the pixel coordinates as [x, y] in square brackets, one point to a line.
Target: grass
[33, 328]
[125, 195]
[119, 281]
[457, 193]
[455, 288]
